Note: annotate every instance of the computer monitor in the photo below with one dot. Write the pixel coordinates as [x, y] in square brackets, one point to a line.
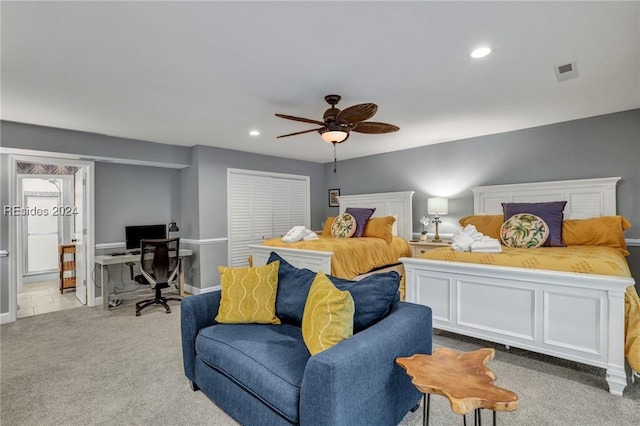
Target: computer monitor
[134, 234]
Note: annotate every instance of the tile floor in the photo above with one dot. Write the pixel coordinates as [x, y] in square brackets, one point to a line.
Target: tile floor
[42, 297]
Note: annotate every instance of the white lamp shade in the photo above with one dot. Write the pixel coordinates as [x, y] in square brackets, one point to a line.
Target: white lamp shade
[437, 205]
[336, 136]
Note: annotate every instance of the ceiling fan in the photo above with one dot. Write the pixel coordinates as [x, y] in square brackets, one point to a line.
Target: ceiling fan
[337, 125]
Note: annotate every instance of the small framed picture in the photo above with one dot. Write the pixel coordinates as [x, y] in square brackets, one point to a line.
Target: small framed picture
[333, 197]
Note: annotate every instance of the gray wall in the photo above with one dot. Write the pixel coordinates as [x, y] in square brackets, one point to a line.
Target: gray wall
[49, 139]
[128, 194]
[213, 164]
[210, 221]
[602, 146]
[134, 195]
[595, 147]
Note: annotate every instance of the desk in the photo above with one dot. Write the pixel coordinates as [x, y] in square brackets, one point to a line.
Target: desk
[106, 260]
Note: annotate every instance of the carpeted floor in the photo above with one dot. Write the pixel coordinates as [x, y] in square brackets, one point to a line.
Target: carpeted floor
[85, 367]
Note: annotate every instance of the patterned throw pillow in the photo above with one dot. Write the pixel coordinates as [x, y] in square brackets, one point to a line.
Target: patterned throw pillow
[524, 230]
[328, 315]
[344, 226]
[248, 295]
[551, 212]
[362, 215]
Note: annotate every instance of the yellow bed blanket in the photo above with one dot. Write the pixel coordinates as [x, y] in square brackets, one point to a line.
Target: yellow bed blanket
[352, 256]
[596, 260]
[582, 259]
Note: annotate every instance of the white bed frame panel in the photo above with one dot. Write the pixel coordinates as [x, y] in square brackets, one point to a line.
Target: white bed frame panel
[573, 316]
[398, 204]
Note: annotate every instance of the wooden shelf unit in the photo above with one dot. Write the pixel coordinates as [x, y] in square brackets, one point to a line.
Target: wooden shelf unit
[67, 266]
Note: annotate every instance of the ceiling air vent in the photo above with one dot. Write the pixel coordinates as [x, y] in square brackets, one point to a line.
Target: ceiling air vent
[566, 71]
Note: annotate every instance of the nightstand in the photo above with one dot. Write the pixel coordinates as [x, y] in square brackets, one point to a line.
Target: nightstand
[421, 247]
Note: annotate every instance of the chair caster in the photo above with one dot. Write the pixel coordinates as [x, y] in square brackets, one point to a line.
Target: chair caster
[193, 386]
[168, 311]
[137, 313]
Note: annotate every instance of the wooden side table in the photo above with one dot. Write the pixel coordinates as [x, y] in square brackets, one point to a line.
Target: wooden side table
[463, 378]
[421, 247]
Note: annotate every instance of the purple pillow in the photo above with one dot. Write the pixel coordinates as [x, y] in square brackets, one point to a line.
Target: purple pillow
[361, 215]
[550, 212]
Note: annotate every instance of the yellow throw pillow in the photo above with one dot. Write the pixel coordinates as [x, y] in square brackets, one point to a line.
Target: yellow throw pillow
[487, 224]
[328, 315]
[328, 223]
[248, 294]
[381, 227]
[605, 231]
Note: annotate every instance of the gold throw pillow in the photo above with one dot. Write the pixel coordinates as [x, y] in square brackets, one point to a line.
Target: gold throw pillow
[248, 294]
[328, 315]
[380, 227]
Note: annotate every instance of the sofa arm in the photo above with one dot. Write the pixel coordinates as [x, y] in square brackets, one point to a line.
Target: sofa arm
[196, 313]
[358, 381]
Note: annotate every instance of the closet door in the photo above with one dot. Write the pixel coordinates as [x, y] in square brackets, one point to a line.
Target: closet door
[290, 205]
[239, 202]
[261, 209]
[263, 205]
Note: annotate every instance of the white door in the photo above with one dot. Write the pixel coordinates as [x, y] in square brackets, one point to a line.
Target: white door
[42, 239]
[79, 234]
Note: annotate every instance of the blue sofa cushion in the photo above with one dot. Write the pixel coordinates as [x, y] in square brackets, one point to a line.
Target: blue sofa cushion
[267, 361]
[293, 288]
[372, 296]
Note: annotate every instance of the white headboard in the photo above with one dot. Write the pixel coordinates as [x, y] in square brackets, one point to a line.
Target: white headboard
[585, 197]
[397, 204]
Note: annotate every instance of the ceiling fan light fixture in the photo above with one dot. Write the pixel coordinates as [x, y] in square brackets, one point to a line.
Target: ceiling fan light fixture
[480, 52]
[334, 136]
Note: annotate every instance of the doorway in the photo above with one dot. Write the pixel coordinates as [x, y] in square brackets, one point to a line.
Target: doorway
[41, 233]
[53, 204]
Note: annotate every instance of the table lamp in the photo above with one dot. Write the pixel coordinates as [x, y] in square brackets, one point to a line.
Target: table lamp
[437, 206]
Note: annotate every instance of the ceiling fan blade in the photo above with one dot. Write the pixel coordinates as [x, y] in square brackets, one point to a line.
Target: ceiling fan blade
[301, 133]
[357, 113]
[304, 120]
[373, 127]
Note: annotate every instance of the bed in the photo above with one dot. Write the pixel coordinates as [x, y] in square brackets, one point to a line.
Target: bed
[569, 315]
[398, 204]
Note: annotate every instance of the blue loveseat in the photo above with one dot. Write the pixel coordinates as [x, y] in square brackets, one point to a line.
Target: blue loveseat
[264, 375]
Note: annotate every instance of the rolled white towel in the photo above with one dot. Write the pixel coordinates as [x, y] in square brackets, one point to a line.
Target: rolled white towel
[464, 238]
[461, 241]
[295, 234]
[310, 235]
[487, 245]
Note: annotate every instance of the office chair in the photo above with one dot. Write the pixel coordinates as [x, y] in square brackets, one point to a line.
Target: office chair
[159, 264]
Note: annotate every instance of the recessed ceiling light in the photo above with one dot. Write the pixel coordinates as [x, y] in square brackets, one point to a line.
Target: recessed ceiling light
[254, 133]
[481, 52]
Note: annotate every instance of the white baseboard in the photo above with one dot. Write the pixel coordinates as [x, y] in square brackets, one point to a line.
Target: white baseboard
[195, 290]
[633, 242]
[5, 318]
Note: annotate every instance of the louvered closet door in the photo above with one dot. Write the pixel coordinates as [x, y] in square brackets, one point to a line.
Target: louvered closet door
[239, 199]
[290, 205]
[263, 206]
[261, 209]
